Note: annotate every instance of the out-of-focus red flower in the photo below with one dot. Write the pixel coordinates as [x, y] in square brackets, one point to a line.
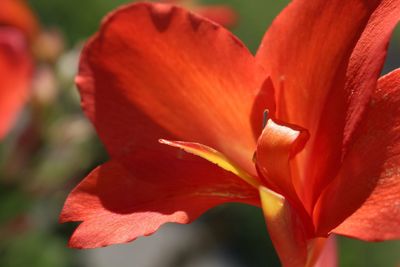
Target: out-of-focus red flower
[221, 14]
[325, 161]
[17, 14]
[18, 27]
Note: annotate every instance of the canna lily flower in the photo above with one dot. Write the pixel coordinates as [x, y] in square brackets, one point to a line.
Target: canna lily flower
[221, 14]
[305, 129]
[18, 27]
[17, 14]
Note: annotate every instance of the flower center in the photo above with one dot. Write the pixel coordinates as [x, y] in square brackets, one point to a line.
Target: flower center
[276, 146]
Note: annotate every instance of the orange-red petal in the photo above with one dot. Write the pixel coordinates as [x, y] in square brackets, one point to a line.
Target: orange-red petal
[289, 237]
[363, 201]
[285, 229]
[16, 13]
[122, 200]
[328, 255]
[15, 75]
[277, 145]
[156, 71]
[367, 60]
[215, 157]
[306, 51]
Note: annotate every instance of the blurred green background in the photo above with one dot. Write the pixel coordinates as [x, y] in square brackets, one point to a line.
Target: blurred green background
[62, 148]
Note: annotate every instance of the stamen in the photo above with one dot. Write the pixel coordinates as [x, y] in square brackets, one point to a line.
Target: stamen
[265, 118]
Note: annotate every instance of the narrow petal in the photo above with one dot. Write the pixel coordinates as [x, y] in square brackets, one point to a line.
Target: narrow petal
[156, 71]
[367, 61]
[16, 13]
[215, 157]
[277, 145]
[122, 200]
[285, 231]
[306, 51]
[15, 75]
[364, 198]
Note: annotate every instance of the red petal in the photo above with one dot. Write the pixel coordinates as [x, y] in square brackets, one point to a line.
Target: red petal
[306, 51]
[328, 255]
[277, 145]
[15, 76]
[366, 193]
[154, 67]
[215, 157]
[16, 13]
[289, 237]
[367, 60]
[285, 229]
[119, 202]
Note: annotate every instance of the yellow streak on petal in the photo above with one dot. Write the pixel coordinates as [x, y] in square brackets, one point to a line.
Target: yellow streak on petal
[272, 203]
[287, 237]
[213, 156]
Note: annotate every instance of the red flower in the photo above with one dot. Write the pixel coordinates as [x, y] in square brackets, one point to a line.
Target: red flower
[327, 160]
[17, 14]
[17, 29]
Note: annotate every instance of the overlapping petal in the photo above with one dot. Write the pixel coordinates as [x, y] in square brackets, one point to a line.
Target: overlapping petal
[328, 254]
[368, 186]
[276, 147]
[215, 157]
[289, 225]
[363, 71]
[306, 51]
[366, 62]
[169, 74]
[15, 75]
[285, 228]
[122, 200]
